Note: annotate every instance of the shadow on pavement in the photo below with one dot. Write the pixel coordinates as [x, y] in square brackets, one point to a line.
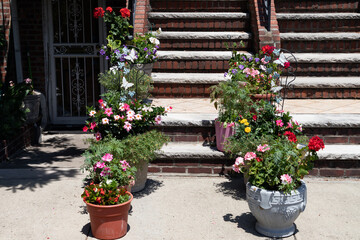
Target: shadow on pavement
[150, 187]
[233, 187]
[246, 221]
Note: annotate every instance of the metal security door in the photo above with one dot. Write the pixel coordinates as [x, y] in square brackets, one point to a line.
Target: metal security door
[74, 38]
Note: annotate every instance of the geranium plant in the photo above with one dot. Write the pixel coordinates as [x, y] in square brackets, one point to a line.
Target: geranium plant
[108, 192]
[279, 164]
[260, 72]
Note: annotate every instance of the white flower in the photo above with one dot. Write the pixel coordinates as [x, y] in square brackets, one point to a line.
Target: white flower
[113, 69]
[92, 113]
[105, 121]
[154, 40]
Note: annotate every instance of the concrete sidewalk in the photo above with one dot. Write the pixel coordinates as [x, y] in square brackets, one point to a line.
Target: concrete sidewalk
[41, 191]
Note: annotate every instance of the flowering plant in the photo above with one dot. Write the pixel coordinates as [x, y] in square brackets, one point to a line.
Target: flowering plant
[106, 166]
[279, 164]
[260, 72]
[106, 193]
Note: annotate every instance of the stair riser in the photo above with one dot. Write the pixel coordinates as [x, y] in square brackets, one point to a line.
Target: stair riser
[189, 134]
[328, 46]
[188, 66]
[323, 93]
[323, 25]
[328, 69]
[181, 90]
[316, 6]
[200, 45]
[198, 6]
[201, 24]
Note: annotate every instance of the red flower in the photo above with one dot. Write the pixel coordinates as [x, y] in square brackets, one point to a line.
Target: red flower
[125, 12]
[85, 128]
[287, 65]
[102, 191]
[258, 159]
[109, 9]
[316, 144]
[291, 136]
[254, 117]
[267, 49]
[98, 199]
[99, 12]
[87, 193]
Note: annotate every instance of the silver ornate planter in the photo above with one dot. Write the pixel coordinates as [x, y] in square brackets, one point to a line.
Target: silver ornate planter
[274, 211]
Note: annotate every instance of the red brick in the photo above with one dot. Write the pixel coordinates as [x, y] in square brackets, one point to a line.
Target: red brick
[332, 172]
[173, 170]
[336, 139]
[153, 169]
[352, 172]
[314, 172]
[354, 140]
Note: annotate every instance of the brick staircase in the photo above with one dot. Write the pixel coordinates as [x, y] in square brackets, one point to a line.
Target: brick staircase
[193, 57]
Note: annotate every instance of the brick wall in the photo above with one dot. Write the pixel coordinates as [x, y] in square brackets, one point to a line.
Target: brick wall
[141, 17]
[5, 23]
[262, 36]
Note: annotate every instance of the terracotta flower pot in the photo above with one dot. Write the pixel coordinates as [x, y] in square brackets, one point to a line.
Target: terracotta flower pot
[266, 96]
[222, 134]
[110, 221]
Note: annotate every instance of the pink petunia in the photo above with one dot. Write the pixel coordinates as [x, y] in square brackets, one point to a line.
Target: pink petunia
[247, 71]
[285, 179]
[249, 155]
[239, 161]
[263, 148]
[99, 165]
[107, 157]
[254, 72]
[124, 165]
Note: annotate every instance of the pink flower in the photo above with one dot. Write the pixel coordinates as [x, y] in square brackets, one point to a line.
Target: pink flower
[158, 119]
[85, 129]
[250, 155]
[28, 80]
[105, 172]
[138, 117]
[107, 157]
[108, 111]
[279, 123]
[236, 168]
[127, 126]
[124, 107]
[130, 117]
[130, 112]
[231, 124]
[239, 161]
[254, 72]
[279, 110]
[289, 124]
[116, 117]
[105, 121]
[263, 61]
[124, 165]
[98, 136]
[247, 71]
[102, 103]
[263, 148]
[168, 109]
[285, 179]
[92, 125]
[99, 165]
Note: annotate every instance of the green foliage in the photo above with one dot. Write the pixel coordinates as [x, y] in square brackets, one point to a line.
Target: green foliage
[106, 193]
[133, 149]
[146, 47]
[118, 28]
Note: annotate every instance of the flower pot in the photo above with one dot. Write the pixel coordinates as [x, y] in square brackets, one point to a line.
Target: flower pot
[140, 176]
[274, 211]
[32, 102]
[110, 221]
[266, 96]
[222, 134]
[146, 68]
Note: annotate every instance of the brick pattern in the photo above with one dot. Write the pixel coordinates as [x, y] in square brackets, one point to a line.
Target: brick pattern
[317, 6]
[198, 6]
[201, 24]
[329, 46]
[328, 69]
[166, 90]
[335, 135]
[323, 93]
[5, 21]
[191, 66]
[321, 25]
[200, 45]
[189, 134]
[141, 16]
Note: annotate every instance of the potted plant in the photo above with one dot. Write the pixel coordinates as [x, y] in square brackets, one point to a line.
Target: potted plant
[108, 205]
[274, 155]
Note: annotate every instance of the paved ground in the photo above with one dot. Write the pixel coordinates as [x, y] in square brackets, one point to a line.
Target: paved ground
[41, 190]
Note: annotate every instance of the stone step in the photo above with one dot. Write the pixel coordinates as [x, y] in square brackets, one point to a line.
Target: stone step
[199, 5]
[307, 6]
[325, 42]
[193, 61]
[200, 21]
[212, 41]
[195, 158]
[318, 22]
[327, 64]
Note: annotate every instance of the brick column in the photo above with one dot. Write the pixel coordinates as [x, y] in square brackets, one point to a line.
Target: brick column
[141, 16]
[5, 23]
[262, 36]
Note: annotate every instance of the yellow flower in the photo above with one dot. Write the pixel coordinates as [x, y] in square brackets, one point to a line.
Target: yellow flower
[243, 121]
[246, 124]
[247, 129]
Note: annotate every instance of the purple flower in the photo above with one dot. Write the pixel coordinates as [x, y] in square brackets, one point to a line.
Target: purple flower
[234, 71]
[149, 53]
[157, 46]
[244, 58]
[154, 52]
[225, 74]
[241, 67]
[257, 60]
[145, 48]
[102, 52]
[250, 59]
[116, 51]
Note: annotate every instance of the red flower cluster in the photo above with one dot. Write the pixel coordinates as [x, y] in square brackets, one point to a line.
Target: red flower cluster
[267, 49]
[316, 143]
[125, 12]
[286, 65]
[99, 12]
[258, 159]
[291, 136]
[109, 9]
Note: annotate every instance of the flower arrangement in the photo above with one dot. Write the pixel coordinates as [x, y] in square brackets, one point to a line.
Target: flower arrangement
[260, 72]
[105, 193]
[279, 164]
